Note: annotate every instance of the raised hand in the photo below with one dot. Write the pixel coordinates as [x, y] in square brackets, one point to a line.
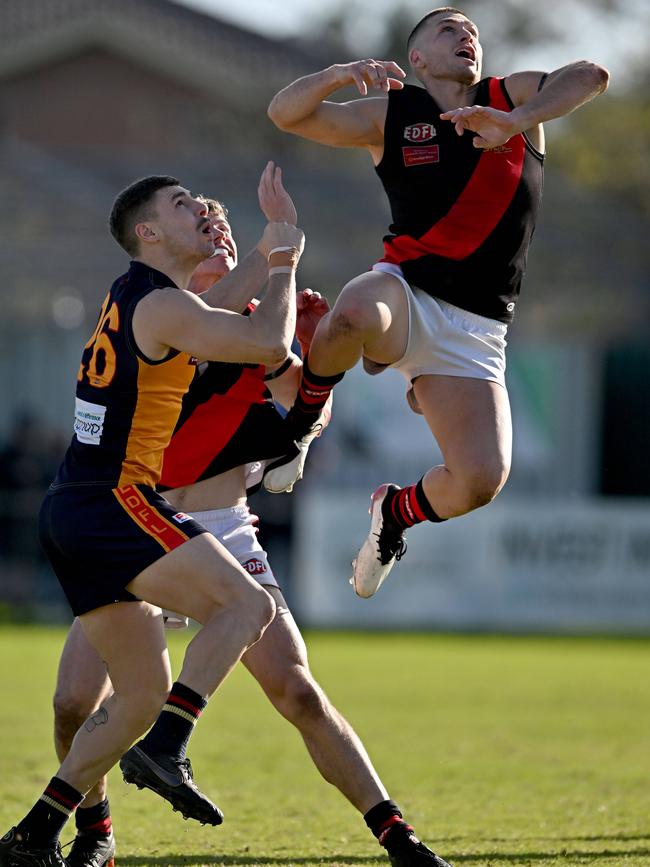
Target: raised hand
[372, 75]
[310, 309]
[280, 235]
[493, 127]
[275, 202]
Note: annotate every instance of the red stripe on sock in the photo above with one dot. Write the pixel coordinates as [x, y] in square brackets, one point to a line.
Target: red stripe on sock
[186, 705]
[413, 500]
[386, 827]
[395, 510]
[59, 797]
[105, 826]
[404, 516]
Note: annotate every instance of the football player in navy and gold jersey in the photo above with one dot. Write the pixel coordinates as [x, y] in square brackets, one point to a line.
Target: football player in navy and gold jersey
[120, 550]
[228, 428]
[460, 159]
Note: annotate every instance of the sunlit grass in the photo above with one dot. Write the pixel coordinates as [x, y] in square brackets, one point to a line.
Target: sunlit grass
[501, 751]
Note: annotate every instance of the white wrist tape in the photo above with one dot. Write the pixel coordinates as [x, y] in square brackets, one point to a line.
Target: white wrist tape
[282, 250]
[281, 269]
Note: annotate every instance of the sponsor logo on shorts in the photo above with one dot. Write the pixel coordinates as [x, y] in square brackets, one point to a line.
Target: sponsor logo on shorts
[148, 519]
[421, 155]
[510, 306]
[255, 566]
[89, 422]
[181, 517]
[420, 132]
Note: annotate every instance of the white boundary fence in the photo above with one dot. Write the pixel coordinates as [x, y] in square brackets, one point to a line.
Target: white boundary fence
[548, 565]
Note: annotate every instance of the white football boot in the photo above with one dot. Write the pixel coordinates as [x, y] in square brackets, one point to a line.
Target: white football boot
[383, 546]
[281, 478]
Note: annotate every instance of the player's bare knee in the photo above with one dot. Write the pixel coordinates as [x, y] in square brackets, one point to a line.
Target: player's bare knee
[485, 485]
[259, 614]
[69, 715]
[70, 712]
[350, 317]
[252, 612]
[302, 700]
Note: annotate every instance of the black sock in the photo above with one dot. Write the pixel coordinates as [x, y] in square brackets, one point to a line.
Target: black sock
[387, 824]
[409, 506]
[44, 822]
[95, 820]
[382, 816]
[172, 729]
[312, 396]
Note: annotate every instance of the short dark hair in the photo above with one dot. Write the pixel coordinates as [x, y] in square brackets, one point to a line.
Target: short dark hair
[133, 205]
[423, 21]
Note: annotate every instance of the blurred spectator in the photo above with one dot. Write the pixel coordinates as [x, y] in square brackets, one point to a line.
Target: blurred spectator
[28, 461]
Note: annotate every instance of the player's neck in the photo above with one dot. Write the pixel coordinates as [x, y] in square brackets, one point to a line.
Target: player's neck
[449, 93]
[180, 272]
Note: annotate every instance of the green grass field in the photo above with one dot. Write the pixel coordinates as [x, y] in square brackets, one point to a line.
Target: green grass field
[501, 751]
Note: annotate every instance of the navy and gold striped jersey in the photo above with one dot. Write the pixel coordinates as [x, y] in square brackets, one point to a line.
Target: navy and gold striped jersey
[127, 405]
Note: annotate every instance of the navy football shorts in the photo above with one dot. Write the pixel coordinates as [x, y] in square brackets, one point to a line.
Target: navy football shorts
[98, 539]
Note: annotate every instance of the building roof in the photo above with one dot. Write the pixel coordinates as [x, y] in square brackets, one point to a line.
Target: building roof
[169, 37]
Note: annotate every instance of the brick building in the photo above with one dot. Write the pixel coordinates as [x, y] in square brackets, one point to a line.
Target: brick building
[94, 93]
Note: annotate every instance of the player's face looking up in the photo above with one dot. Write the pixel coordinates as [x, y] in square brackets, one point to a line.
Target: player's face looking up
[448, 46]
[180, 222]
[225, 247]
[224, 257]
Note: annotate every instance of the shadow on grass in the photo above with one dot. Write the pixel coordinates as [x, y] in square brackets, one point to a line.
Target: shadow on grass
[522, 857]
[514, 857]
[210, 860]
[558, 841]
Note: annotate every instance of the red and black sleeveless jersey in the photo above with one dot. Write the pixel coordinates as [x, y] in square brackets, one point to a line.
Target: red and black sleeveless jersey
[462, 217]
[228, 419]
[126, 405]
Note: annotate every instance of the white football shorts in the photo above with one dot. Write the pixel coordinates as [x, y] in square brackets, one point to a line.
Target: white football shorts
[446, 340]
[236, 529]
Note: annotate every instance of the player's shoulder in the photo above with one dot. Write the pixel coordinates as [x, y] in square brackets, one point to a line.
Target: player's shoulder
[168, 303]
[406, 93]
[522, 86]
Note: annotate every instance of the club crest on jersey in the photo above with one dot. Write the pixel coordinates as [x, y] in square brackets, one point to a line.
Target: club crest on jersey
[419, 132]
[254, 566]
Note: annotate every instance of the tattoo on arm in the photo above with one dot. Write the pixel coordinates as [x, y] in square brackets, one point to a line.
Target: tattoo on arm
[99, 718]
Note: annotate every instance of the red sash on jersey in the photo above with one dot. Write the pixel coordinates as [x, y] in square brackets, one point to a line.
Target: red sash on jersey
[478, 209]
[209, 428]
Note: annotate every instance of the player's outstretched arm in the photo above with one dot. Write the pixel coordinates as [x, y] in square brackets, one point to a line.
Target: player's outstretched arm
[235, 289]
[181, 320]
[283, 382]
[303, 108]
[562, 92]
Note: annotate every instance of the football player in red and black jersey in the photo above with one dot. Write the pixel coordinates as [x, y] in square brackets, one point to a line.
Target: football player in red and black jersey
[460, 158]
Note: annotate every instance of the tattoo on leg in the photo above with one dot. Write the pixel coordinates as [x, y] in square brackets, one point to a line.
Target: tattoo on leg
[99, 718]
